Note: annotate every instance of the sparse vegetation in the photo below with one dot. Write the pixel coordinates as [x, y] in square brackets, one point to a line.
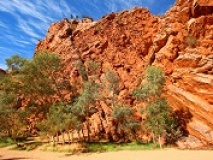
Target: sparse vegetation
[159, 121]
[6, 141]
[126, 123]
[191, 41]
[57, 120]
[112, 84]
[84, 107]
[107, 147]
[28, 91]
[100, 147]
[98, 29]
[33, 102]
[87, 17]
[74, 17]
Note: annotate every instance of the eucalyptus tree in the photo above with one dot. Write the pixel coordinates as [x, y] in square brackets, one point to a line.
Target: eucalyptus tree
[58, 120]
[13, 122]
[125, 120]
[35, 85]
[112, 85]
[84, 105]
[159, 120]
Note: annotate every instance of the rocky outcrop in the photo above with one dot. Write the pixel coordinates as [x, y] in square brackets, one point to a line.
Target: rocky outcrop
[2, 71]
[181, 43]
[202, 7]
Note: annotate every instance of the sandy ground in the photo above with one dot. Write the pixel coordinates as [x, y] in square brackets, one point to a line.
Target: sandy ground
[165, 154]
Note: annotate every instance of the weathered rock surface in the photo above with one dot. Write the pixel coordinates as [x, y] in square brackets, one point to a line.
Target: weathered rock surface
[202, 7]
[181, 43]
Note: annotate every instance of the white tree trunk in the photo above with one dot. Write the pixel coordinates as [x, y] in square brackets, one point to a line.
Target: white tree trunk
[153, 138]
[53, 140]
[159, 141]
[69, 137]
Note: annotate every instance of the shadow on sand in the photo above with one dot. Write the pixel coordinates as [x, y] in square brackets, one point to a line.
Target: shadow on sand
[15, 158]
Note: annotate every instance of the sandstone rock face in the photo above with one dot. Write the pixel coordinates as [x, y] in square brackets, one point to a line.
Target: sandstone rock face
[181, 43]
[202, 7]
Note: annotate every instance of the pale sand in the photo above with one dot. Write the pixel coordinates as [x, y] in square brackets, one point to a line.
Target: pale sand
[165, 154]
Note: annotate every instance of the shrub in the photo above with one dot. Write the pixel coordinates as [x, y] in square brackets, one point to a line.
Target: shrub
[191, 41]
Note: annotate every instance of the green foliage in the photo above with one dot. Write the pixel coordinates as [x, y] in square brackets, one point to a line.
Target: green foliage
[36, 84]
[90, 89]
[7, 99]
[125, 119]
[58, 119]
[15, 62]
[155, 75]
[93, 66]
[191, 41]
[109, 147]
[75, 122]
[159, 119]
[9, 87]
[41, 83]
[152, 89]
[121, 112]
[113, 81]
[99, 147]
[123, 115]
[6, 141]
[81, 69]
[86, 70]
[13, 122]
[84, 104]
[112, 86]
[40, 76]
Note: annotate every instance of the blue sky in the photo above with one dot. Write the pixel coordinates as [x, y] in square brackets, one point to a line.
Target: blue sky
[24, 22]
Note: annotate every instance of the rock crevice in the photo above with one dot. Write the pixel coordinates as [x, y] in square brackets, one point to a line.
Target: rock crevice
[180, 42]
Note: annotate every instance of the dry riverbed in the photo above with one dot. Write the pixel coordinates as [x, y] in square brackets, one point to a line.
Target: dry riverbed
[164, 154]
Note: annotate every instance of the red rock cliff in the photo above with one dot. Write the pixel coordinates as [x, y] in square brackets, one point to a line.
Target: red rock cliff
[180, 42]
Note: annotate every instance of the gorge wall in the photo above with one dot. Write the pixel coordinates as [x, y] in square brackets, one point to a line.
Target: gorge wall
[180, 42]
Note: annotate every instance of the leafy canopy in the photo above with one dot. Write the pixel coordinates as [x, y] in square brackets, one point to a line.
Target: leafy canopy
[125, 117]
[34, 86]
[159, 118]
[153, 87]
[15, 62]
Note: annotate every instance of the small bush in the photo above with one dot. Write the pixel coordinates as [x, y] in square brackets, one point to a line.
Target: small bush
[108, 146]
[6, 141]
[191, 41]
[98, 29]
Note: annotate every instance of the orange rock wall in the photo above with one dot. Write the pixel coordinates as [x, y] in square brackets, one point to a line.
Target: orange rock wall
[127, 42]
